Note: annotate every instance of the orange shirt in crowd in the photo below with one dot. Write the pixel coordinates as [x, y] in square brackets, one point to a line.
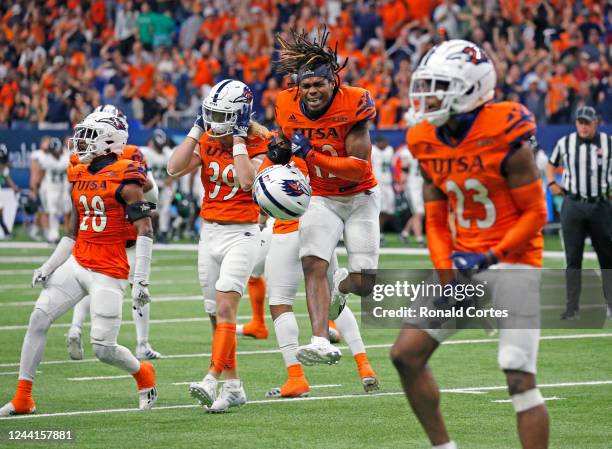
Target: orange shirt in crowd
[7, 95]
[387, 112]
[205, 71]
[254, 69]
[558, 91]
[393, 14]
[142, 78]
[268, 98]
[421, 9]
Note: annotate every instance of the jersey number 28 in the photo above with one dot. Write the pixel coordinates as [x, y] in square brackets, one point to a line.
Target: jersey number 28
[96, 213]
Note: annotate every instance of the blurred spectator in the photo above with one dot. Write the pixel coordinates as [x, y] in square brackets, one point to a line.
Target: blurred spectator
[126, 26]
[167, 54]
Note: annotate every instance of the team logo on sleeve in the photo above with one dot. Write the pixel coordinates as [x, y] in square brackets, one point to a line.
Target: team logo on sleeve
[294, 188]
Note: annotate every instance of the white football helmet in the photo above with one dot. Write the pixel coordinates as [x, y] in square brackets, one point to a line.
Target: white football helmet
[282, 191]
[98, 134]
[457, 72]
[221, 105]
[111, 109]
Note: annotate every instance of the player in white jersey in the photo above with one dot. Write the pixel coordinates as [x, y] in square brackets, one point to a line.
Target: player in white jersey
[40, 217]
[158, 154]
[5, 181]
[53, 191]
[382, 161]
[413, 189]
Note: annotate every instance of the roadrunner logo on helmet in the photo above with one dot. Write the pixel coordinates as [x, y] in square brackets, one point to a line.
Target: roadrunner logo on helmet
[221, 105]
[454, 77]
[114, 110]
[98, 134]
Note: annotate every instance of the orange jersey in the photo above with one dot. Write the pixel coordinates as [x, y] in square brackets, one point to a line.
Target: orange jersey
[130, 152]
[327, 134]
[286, 226]
[471, 175]
[100, 244]
[224, 200]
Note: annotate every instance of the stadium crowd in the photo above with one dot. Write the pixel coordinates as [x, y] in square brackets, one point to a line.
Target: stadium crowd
[59, 59]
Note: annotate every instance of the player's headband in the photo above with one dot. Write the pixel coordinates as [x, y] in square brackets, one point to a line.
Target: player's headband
[322, 71]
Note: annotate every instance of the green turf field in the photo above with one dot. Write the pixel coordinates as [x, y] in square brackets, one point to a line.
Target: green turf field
[575, 373]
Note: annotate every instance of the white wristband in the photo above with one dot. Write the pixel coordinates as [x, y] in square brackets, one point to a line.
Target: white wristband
[239, 148]
[196, 133]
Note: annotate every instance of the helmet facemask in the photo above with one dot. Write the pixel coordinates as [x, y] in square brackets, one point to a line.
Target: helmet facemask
[218, 122]
[83, 143]
[426, 88]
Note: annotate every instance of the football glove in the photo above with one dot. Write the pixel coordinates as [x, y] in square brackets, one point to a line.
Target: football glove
[279, 151]
[39, 277]
[468, 263]
[199, 122]
[243, 118]
[140, 294]
[300, 145]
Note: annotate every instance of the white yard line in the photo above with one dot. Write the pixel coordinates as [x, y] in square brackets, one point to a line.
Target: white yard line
[508, 401]
[173, 268]
[80, 379]
[307, 399]
[192, 247]
[274, 351]
[156, 299]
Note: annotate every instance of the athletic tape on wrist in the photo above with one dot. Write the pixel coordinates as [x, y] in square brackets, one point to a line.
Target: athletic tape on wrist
[238, 149]
[196, 133]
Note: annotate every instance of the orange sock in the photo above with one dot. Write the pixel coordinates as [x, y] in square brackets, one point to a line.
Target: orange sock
[361, 359]
[332, 324]
[257, 295]
[145, 376]
[23, 401]
[223, 340]
[232, 362]
[295, 370]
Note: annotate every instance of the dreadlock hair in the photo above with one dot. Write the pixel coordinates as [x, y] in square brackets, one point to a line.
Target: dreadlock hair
[302, 52]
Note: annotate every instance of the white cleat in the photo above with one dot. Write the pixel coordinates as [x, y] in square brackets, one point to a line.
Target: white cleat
[144, 351]
[8, 409]
[232, 395]
[74, 344]
[338, 299]
[205, 392]
[147, 398]
[240, 329]
[319, 351]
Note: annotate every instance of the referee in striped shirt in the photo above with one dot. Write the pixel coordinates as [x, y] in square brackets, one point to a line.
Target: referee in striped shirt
[586, 156]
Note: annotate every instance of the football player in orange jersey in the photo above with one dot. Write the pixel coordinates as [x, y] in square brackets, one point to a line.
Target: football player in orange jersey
[328, 126]
[91, 259]
[283, 273]
[141, 315]
[476, 160]
[229, 147]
